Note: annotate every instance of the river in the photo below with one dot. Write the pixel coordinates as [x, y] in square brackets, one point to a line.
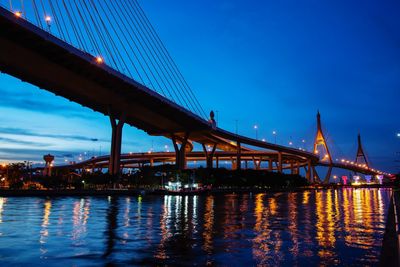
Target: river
[321, 227]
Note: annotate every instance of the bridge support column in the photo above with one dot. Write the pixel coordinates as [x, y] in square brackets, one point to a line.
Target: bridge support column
[315, 175]
[297, 168]
[234, 164]
[280, 162]
[328, 175]
[292, 171]
[209, 155]
[217, 162]
[238, 156]
[116, 140]
[180, 152]
[308, 171]
[257, 163]
[246, 164]
[270, 165]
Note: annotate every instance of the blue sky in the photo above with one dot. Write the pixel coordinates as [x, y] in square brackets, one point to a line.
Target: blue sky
[270, 63]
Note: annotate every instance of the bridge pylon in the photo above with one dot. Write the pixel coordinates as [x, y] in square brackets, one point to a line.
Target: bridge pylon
[320, 142]
[360, 156]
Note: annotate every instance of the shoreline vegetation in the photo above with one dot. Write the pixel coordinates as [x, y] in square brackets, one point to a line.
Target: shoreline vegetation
[18, 180]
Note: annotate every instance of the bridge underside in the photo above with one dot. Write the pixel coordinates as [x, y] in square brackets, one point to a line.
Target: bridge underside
[39, 58]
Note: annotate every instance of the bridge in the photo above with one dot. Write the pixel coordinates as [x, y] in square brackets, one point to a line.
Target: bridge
[110, 59]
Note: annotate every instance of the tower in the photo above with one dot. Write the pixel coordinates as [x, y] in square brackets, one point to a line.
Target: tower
[321, 149]
[49, 164]
[320, 142]
[360, 156]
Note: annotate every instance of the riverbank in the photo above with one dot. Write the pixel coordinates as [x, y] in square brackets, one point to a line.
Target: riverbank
[135, 192]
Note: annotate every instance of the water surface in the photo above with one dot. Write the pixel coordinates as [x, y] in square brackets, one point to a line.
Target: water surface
[327, 227]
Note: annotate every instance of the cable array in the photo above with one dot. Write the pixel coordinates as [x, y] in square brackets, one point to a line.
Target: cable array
[117, 33]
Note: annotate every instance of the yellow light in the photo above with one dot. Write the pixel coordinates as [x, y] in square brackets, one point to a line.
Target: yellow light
[18, 14]
[99, 60]
[343, 160]
[326, 156]
[316, 151]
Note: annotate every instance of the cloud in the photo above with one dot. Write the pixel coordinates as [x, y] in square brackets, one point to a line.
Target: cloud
[22, 142]
[33, 154]
[44, 103]
[26, 132]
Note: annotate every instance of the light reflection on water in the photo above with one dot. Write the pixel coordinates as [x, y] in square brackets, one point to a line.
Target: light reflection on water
[328, 227]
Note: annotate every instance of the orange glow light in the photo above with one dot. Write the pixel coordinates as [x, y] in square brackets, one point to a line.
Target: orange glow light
[47, 19]
[99, 60]
[18, 14]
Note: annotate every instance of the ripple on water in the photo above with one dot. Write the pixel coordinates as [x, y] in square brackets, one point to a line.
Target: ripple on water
[328, 227]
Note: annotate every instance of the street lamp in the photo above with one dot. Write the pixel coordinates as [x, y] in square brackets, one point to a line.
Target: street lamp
[398, 135]
[256, 129]
[274, 134]
[48, 21]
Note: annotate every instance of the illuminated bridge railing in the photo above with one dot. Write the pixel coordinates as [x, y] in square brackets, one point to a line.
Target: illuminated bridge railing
[117, 33]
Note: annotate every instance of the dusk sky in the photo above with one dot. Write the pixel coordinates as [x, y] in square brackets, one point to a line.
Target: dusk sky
[270, 63]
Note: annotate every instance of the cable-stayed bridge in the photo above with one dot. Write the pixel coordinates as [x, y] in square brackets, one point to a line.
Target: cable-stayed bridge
[107, 56]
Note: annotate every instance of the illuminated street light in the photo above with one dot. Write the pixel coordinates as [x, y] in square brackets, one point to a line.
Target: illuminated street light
[48, 21]
[18, 14]
[303, 141]
[99, 60]
[274, 134]
[256, 129]
[398, 135]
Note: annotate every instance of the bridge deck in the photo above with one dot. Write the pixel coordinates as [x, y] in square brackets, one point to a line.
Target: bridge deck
[33, 55]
